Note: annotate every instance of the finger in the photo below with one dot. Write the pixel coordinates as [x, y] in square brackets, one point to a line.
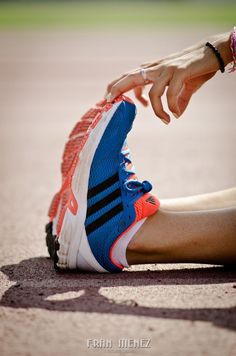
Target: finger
[127, 83]
[138, 91]
[110, 85]
[150, 64]
[184, 99]
[189, 89]
[175, 86]
[155, 95]
[147, 64]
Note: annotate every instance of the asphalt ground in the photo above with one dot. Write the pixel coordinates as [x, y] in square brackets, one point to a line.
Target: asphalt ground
[47, 81]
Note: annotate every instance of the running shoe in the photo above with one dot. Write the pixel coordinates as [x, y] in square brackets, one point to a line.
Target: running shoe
[100, 199]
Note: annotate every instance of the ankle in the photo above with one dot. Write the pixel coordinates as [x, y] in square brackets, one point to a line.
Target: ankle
[151, 244]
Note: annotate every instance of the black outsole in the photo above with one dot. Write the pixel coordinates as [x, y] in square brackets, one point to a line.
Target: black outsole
[52, 244]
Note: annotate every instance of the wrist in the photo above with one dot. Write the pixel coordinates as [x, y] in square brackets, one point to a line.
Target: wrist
[223, 46]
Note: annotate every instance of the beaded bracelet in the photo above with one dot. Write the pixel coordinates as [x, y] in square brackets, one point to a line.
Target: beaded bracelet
[233, 49]
[218, 56]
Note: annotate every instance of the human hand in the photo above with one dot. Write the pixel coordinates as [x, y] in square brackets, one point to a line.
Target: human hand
[139, 90]
[183, 73]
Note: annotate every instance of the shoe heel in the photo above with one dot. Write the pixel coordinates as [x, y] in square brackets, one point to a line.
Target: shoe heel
[52, 244]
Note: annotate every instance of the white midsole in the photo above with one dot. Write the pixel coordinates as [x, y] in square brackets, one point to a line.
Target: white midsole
[73, 229]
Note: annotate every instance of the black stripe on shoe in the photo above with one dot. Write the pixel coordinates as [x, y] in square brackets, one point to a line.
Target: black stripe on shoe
[103, 202]
[103, 185]
[104, 218]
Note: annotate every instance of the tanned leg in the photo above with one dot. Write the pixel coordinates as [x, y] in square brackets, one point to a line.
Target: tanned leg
[222, 199]
[188, 230]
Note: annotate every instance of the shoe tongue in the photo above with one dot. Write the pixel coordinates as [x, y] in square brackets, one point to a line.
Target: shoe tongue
[127, 162]
[125, 148]
[146, 206]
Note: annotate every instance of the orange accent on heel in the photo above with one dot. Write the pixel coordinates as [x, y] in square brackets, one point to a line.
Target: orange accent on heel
[145, 206]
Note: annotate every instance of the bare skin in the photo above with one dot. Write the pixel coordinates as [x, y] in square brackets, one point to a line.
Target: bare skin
[182, 74]
[211, 201]
[199, 229]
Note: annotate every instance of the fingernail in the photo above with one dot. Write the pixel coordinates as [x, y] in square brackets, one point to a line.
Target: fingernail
[108, 97]
[175, 115]
[165, 121]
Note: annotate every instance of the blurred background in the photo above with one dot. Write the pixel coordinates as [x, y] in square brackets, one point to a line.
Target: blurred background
[114, 14]
[56, 59]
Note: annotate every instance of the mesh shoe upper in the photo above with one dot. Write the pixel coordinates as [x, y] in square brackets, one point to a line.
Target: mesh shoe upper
[113, 189]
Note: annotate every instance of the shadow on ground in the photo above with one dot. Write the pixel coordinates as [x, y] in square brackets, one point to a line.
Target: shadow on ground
[36, 281]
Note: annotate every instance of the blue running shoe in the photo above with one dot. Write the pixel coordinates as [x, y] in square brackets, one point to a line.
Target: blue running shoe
[100, 199]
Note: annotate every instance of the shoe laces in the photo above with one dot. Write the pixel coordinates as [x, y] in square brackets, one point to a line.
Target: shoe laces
[134, 186]
[131, 184]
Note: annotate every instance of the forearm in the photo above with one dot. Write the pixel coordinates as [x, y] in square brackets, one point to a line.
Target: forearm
[221, 41]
